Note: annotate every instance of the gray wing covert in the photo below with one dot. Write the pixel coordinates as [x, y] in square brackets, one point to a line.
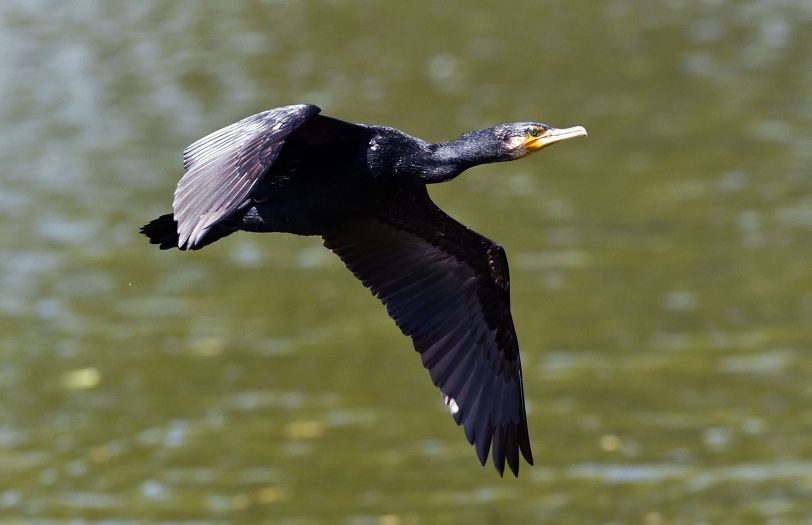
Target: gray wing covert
[223, 168]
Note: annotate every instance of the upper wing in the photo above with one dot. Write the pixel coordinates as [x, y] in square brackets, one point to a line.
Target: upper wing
[448, 288]
[224, 167]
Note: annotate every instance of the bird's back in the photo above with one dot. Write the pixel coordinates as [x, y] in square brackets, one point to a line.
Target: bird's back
[328, 172]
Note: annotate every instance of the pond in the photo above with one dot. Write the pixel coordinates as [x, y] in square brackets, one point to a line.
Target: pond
[661, 286]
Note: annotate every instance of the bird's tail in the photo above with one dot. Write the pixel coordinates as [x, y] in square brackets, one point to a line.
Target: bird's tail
[163, 231]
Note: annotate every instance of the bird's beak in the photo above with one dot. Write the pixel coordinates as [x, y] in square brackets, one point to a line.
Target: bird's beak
[553, 135]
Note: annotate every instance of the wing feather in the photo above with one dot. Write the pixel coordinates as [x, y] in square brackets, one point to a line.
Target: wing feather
[448, 288]
[224, 167]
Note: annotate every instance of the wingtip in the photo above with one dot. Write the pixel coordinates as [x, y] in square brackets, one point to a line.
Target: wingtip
[482, 455]
[504, 449]
[483, 443]
[527, 453]
[498, 452]
[524, 442]
[500, 468]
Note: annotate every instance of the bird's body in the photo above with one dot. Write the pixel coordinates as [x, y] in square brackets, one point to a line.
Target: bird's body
[363, 189]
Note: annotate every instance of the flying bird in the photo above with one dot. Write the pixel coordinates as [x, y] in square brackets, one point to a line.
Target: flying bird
[362, 188]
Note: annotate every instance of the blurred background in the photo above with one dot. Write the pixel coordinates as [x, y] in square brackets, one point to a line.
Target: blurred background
[662, 289]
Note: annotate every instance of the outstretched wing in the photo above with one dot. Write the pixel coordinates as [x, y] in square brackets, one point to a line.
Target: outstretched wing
[447, 287]
[224, 167]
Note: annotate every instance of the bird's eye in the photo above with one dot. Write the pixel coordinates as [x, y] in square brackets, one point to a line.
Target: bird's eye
[534, 131]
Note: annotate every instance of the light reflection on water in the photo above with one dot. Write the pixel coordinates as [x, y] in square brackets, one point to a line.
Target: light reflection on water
[694, 480]
[660, 269]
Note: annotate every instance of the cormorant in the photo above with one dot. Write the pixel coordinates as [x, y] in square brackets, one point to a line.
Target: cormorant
[362, 188]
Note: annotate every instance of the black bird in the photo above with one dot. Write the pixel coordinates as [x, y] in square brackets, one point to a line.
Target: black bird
[362, 188]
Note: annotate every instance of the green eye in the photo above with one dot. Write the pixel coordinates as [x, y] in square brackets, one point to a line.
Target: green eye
[534, 132]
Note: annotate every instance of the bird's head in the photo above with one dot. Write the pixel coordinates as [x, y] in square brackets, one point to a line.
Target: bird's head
[497, 144]
[520, 139]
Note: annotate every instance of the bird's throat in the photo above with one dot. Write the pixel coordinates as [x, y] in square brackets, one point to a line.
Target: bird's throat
[442, 162]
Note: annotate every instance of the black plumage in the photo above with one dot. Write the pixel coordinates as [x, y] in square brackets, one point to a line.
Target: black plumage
[363, 189]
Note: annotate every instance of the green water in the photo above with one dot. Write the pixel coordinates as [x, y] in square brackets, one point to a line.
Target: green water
[662, 289]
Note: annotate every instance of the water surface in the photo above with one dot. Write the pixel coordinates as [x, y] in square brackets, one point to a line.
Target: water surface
[660, 269]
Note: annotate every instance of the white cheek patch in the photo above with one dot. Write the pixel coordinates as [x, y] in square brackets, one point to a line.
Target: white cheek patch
[516, 143]
[516, 147]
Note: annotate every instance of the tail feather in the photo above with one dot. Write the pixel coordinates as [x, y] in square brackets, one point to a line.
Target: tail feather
[163, 231]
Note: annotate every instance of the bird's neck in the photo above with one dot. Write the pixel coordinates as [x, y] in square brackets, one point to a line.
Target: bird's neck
[442, 162]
